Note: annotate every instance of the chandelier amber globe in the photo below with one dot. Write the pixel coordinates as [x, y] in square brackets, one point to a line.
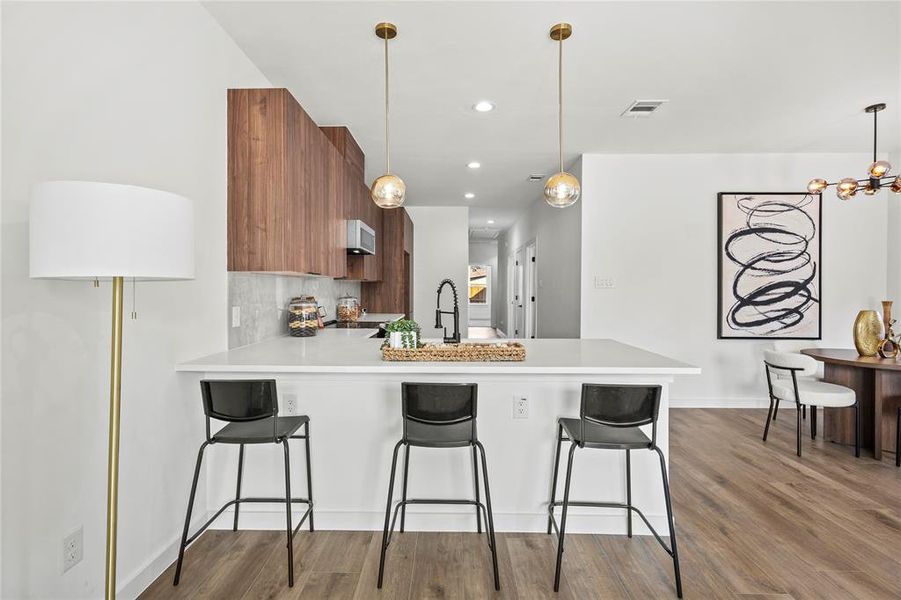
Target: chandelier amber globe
[388, 191]
[847, 185]
[817, 185]
[880, 168]
[562, 190]
[896, 185]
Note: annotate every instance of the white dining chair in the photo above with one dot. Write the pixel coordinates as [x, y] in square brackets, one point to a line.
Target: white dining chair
[796, 385]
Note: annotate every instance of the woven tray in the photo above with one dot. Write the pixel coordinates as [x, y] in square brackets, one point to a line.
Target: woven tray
[504, 352]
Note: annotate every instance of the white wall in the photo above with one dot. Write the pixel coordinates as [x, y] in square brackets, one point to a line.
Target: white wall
[558, 246]
[130, 93]
[440, 250]
[484, 252]
[657, 239]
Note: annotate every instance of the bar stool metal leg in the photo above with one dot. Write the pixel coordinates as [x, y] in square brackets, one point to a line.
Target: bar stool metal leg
[491, 537]
[309, 474]
[238, 487]
[569, 470]
[554, 478]
[184, 535]
[385, 538]
[629, 490]
[669, 518]
[290, 529]
[403, 507]
[475, 481]
[775, 409]
[857, 429]
[799, 430]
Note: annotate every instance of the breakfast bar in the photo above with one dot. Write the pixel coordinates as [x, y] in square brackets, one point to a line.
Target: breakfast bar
[352, 397]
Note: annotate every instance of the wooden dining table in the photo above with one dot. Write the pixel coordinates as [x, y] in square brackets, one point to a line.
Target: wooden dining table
[877, 383]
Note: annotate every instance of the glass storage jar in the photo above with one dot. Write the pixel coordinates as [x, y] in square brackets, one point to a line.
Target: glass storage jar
[348, 310]
[303, 316]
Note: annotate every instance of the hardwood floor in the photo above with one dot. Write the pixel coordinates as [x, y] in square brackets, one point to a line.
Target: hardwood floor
[753, 520]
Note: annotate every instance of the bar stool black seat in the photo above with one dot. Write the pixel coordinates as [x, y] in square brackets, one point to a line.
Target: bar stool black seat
[609, 419]
[439, 415]
[250, 408]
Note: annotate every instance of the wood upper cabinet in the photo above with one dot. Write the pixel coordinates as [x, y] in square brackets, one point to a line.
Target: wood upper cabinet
[286, 188]
[358, 205]
[394, 292]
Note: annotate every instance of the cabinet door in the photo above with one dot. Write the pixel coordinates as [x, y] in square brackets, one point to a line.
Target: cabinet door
[372, 264]
[337, 231]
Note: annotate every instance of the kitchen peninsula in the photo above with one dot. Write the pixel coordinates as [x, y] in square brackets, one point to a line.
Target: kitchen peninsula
[353, 400]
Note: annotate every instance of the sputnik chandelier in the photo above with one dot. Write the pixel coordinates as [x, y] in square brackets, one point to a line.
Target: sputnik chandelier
[878, 174]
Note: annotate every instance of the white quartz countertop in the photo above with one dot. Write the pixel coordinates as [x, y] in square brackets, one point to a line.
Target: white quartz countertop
[352, 351]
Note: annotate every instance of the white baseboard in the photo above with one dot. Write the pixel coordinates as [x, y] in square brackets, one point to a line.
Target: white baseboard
[718, 403]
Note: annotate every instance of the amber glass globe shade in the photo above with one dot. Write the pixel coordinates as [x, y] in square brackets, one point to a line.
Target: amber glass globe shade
[880, 168]
[896, 185]
[388, 191]
[562, 190]
[817, 185]
[847, 185]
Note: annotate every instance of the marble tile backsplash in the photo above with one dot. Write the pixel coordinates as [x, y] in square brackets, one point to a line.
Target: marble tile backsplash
[264, 298]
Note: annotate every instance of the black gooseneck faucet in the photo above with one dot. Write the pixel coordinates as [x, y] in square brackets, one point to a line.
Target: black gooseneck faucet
[454, 339]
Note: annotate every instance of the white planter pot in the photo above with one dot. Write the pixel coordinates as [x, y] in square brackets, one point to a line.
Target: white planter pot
[396, 339]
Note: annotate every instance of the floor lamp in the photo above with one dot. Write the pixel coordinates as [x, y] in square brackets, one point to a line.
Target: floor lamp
[105, 231]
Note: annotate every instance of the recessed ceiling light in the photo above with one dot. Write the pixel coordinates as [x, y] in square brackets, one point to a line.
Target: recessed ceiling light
[483, 106]
[469, 195]
[474, 165]
[490, 221]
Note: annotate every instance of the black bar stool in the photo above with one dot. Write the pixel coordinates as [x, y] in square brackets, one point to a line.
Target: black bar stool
[439, 415]
[609, 419]
[250, 408]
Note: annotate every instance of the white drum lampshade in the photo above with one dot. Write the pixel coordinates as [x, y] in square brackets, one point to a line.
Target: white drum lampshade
[87, 230]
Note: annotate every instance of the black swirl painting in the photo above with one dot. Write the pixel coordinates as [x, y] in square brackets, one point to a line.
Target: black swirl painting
[769, 265]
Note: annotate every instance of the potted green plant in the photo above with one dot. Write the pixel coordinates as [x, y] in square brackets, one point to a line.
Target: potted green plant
[403, 333]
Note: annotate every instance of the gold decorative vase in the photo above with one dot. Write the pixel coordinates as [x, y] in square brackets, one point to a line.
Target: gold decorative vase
[867, 332]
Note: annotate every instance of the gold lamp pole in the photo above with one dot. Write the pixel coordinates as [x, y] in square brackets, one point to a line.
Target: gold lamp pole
[112, 475]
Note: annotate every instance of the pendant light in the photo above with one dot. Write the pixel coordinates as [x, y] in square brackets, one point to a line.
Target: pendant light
[387, 191]
[562, 188]
[877, 175]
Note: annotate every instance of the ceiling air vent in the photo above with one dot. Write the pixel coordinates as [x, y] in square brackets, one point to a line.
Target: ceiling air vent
[536, 177]
[483, 233]
[643, 108]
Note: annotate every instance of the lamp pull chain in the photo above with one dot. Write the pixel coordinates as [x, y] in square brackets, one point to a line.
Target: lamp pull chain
[134, 299]
[387, 145]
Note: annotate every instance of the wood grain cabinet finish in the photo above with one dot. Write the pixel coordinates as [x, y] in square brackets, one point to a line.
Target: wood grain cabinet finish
[286, 188]
[394, 292]
[358, 205]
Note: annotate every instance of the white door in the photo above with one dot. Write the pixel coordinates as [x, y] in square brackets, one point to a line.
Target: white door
[518, 312]
[530, 293]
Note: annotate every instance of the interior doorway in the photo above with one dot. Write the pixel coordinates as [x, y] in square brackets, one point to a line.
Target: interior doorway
[480, 295]
[518, 308]
[530, 292]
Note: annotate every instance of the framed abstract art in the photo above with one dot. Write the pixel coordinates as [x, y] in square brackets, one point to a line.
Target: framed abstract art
[769, 248]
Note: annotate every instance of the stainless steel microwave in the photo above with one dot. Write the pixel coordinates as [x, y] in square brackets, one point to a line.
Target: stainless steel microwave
[360, 237]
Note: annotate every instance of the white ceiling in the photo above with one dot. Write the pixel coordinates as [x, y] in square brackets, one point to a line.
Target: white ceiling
[739, 77]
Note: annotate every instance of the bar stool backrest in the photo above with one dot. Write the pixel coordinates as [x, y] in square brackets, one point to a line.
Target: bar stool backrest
[439, 403]
[239, 401]
[621, 405]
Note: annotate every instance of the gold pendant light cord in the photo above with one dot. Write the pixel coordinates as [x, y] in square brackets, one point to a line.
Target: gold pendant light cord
[387, 145]
[560, 101]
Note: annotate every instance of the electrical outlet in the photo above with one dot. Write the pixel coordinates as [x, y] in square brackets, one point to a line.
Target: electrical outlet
[604, 283]
[73, 549]
[290, 404]
[520, 406]
[236, 316]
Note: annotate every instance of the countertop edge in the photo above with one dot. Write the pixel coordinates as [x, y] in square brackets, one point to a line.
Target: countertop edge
[453, 368]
